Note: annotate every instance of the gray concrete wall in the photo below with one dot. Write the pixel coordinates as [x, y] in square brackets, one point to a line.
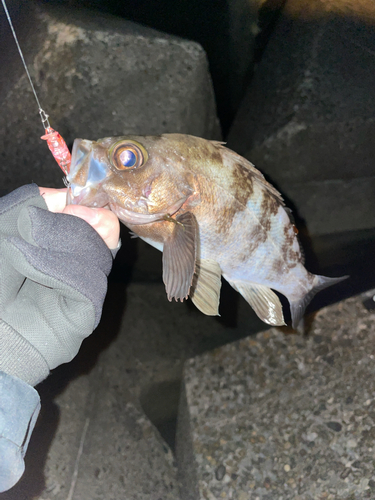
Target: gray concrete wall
[96, 76]
[307, 121]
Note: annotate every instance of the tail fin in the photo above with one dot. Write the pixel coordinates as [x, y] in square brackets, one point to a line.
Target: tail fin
[297, 308]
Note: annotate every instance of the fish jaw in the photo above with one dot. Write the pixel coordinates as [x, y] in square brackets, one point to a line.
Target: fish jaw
[137, 218]
[89, 169]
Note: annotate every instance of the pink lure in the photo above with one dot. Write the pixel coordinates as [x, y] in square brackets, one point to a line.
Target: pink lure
[58, 148]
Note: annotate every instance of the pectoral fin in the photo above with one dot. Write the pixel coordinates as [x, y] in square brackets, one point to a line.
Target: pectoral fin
[263, 300]
[205, 291]
[179, 255]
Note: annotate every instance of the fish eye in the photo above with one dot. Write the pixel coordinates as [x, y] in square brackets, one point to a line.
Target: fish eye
[127, 155]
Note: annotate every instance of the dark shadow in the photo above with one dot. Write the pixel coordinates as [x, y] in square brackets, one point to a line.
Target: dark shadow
[229, 302]
[126, 258]
[370, 303]
[268, 16]
[228, 307]
[160, 404]
[32, 483]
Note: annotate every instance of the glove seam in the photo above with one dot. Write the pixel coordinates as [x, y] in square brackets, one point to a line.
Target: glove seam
[3, 436]
[28, 348]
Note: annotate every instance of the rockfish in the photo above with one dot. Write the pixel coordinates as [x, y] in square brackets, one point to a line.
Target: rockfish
[210, 212]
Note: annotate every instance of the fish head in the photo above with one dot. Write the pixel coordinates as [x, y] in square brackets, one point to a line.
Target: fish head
[140, 178]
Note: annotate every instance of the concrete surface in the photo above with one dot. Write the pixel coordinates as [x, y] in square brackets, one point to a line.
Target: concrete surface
[228, 30]
[126, 373]
[307, 120]
[96, 76]
[280, 416]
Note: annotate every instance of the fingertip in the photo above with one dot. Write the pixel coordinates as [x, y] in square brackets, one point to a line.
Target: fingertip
[55, 198]
[90, 215]
[108, 226]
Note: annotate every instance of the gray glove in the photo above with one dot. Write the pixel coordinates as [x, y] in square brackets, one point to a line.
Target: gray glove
[53, 281]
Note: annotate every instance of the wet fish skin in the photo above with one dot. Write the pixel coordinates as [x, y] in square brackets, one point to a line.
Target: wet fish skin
[209, 210]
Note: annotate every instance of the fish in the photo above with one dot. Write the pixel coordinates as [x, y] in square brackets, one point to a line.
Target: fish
[209, 211]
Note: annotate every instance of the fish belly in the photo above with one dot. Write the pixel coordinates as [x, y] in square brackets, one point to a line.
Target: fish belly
[156, 244]
[255, 246]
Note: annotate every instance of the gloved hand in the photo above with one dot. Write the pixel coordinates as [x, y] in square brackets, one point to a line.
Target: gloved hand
[53, 281]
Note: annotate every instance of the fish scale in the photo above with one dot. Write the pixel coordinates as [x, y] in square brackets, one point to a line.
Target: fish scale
[210, 212]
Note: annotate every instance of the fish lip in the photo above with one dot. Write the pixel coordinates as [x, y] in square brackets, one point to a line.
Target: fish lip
[81, 148]
[138, 218]
[75, 150]
[83, 190]
[76, 195]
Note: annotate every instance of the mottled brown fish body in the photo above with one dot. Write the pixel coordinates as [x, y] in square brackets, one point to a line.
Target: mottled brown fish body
[209, 210]
[241, 219]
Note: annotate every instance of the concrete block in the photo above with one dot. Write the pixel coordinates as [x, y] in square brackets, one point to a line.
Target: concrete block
[307, 121]
[335, 206]
[227, 30]
[284, 417]
[97, 437]
[96, 76]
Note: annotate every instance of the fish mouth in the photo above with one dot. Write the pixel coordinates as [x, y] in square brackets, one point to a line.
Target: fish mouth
[77, 195]
[89, 168]
[81, 148]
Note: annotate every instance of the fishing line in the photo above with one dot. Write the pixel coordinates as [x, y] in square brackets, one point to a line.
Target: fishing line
[55, 142]
[43, 115]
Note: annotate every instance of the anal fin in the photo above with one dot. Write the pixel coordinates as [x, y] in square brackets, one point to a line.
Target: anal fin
[263, 300]
[205, 290]
[179, 255]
